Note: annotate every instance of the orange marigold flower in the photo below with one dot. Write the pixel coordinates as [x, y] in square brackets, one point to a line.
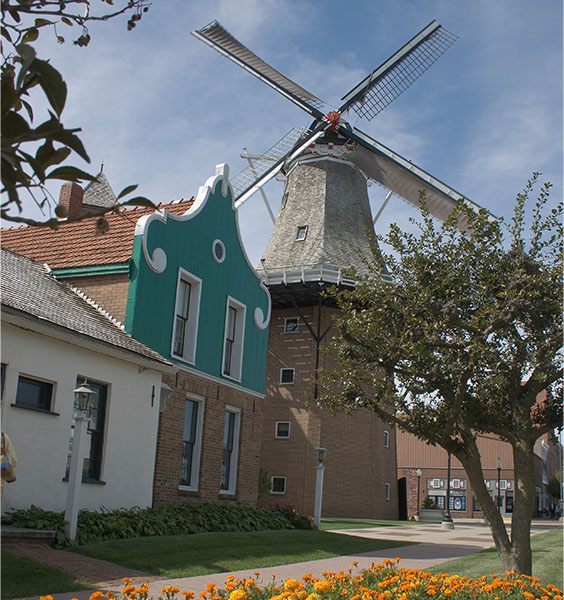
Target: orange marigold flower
[355, 563]
[188, 595]
[126, 590]
[95, 595]
[307, 576]
[291, 584]
[211, 588]
[46, 598]
[322, 586]
[238, 595]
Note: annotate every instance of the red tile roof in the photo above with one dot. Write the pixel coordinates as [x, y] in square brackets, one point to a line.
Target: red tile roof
[79, 244]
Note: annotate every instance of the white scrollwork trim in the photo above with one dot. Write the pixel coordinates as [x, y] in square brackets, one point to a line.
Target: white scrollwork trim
[262, 321]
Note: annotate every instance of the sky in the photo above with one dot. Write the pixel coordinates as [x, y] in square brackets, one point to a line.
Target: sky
[159, 108]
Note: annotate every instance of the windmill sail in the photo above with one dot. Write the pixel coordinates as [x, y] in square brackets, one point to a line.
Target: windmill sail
[221, 40]
[374, 93]
[402, 177]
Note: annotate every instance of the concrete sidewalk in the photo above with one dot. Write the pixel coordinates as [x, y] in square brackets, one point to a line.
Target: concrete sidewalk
[434, 545]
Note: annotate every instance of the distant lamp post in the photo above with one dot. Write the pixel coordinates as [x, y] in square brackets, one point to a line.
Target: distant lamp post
[320, 453]
[499, 467]
[418, 473]
[447, 519]
[81, 414]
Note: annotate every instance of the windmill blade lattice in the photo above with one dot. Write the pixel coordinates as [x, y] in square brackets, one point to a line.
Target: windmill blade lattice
[221, 40]
[377, 91]
[246, 178]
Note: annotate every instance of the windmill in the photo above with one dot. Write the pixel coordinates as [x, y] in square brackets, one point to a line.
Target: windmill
[337, 200]
[324, 227]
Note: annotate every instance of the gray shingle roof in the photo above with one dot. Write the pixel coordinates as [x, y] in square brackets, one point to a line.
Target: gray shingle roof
[28, 287]
[99, 193]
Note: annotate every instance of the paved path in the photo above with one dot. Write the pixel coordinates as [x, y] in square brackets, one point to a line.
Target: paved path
[434, 546]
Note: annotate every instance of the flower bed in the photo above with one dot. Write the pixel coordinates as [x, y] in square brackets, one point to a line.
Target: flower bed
[385, 581]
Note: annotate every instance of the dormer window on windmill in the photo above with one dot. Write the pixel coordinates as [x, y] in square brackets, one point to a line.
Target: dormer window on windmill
[301, 233]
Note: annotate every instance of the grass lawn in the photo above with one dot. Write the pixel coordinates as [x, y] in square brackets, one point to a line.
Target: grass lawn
[23, 577]
[204, 553]
[328, 523]
[547, 560]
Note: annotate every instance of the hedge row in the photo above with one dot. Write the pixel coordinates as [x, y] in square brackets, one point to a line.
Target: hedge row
[172, 519]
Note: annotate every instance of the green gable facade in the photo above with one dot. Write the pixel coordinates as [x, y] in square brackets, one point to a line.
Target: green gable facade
[193, 295]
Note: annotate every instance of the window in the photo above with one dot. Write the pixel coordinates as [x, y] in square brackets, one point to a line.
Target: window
[282, 429]
[388, 491]
[286, 376]
[186, 312]
[230, 450]
[92, 469]
[33, 393]
[4, 366]
[191, 442]
[386, 438]
[278, 485]
[218, 251]
[457, 502]
[233, 341]
[455, 484]
[301, 233]
[291, 325]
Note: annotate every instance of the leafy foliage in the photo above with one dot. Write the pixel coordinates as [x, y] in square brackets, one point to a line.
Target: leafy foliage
[297, 520]
[171, 519]
[33, 155]
[458, 333]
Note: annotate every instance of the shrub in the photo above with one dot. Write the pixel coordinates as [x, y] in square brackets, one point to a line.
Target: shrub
[171, 519]
[291, 514]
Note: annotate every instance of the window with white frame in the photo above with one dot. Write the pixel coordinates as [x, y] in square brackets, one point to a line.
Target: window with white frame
[186, 314]
[388, 491]
[230, 450]
[191, 442]
[233, 339]
[291, 325]
[301, 233]
[286, 376]
[278, 485]
[386, 438]
[282, 429]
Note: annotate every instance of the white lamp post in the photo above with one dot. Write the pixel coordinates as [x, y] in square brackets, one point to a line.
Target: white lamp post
[320, 453]
[81, 414]
[418, 473]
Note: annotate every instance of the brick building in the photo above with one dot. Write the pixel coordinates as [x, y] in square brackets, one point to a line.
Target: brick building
[414, 454]
[323, 228]
[180, 281]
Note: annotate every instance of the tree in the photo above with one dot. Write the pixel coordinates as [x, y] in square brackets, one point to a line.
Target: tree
[554, 487]
[456, 334]
[34, 155]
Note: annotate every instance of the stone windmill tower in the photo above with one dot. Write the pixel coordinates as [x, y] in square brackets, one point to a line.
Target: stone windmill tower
[325, 227]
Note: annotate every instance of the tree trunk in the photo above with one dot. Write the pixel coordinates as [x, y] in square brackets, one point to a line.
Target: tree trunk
[523, 459]
[471, 460]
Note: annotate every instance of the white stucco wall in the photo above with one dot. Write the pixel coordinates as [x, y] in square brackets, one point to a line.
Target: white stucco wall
[41, 440]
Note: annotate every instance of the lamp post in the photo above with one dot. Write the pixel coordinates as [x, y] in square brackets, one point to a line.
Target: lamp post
[499, 467]
[81, 414]
[320, 453]
[418, 473]
[447, 519]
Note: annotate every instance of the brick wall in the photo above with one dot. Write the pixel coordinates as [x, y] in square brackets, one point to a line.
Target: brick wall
[358, 465]
[169, 444]
[109, 291]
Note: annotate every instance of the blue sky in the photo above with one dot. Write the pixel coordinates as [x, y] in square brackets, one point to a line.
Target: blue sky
[160, 108]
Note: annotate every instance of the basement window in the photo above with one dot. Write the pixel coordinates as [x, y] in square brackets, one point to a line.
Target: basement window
[301, 233]
[286, 376]
[278, 485]
[291, 325]
[282, 429]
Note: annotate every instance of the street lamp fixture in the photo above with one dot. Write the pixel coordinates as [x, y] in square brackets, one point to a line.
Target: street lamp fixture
[83, 401]
[418, 473]
[82, 410]
[499, 467]
[320, 453]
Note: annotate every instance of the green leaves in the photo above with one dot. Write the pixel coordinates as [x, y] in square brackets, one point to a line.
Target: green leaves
[52, 84]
